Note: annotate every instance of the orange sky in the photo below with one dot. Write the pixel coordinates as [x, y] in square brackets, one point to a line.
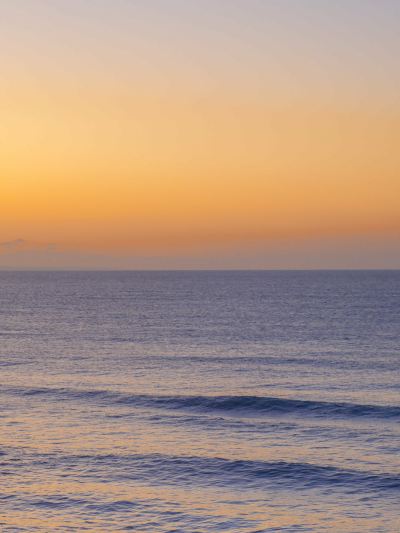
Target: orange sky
[121, 158]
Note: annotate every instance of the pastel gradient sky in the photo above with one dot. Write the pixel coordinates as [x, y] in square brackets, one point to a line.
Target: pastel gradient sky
[194, 128]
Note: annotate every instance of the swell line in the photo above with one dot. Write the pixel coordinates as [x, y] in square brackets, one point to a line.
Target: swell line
[212, 471]
[240, 405]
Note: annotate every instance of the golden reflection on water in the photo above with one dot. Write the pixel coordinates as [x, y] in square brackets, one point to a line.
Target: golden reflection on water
[149, 434]
[55, 436]
[273, 514]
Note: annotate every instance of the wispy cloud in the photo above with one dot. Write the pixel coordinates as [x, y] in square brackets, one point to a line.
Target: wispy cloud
[10, 244]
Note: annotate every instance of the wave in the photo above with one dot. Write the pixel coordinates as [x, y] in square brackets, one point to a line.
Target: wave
[247, 472]
[215, 471]
[232, 405]
[264, 405]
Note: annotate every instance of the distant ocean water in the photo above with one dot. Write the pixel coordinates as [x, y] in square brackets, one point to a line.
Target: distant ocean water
[200, 402]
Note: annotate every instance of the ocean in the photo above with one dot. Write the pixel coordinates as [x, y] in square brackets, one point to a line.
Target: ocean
[200, 402]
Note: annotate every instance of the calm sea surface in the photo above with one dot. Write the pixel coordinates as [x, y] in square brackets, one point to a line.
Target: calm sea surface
[200, 402]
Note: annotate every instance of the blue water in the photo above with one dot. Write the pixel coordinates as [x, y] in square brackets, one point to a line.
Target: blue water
[200, 402]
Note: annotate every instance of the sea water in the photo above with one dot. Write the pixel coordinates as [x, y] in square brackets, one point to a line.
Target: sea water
[200, 402]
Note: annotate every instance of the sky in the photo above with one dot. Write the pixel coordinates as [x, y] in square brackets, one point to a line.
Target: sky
[200, 134]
